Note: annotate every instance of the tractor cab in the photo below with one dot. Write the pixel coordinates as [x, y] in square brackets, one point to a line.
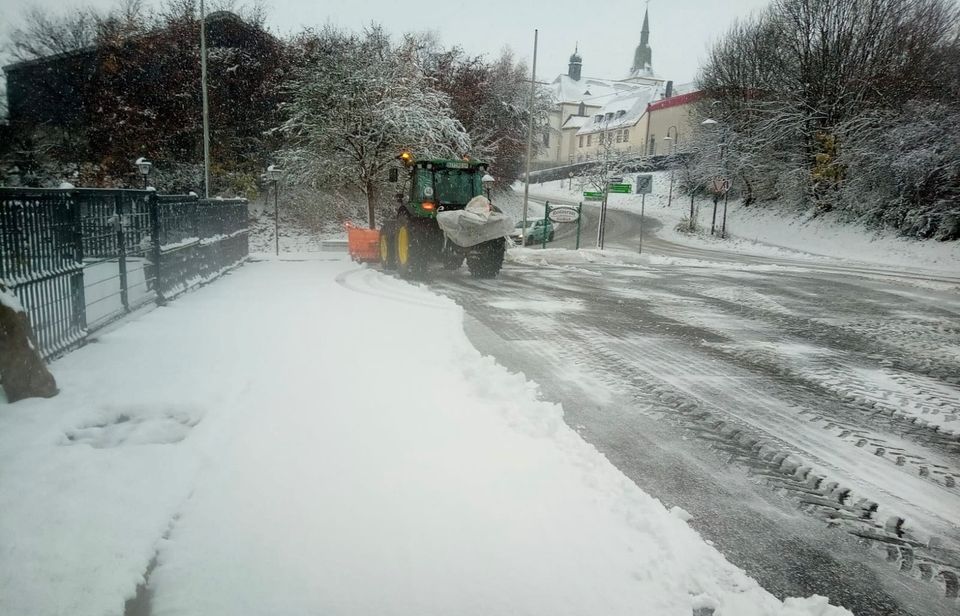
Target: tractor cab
[436, 185]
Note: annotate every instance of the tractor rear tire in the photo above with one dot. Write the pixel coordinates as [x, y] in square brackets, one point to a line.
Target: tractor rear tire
[388, 253]
[452, 260]
[410, 248]
[486, 259]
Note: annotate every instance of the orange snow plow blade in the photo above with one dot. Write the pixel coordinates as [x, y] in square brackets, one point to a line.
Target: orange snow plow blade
[363, 244]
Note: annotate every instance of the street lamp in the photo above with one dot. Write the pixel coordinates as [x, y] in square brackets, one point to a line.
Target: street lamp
[273, 174]
[143, 166]
[718, 183]
[487, 181]
[674, 142]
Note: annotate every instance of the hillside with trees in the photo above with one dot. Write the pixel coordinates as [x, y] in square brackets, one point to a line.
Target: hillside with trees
[833, 105]
[332, 107]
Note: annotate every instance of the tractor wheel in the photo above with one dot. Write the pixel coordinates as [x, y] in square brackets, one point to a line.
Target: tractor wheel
[452, 259]
[486, 259]
[410, 248]
[388, 254]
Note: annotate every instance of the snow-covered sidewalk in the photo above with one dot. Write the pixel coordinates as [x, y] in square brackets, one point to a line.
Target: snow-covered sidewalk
[310, 437]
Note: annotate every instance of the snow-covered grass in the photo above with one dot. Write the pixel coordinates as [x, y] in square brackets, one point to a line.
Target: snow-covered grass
[306, 436]
[768, 231]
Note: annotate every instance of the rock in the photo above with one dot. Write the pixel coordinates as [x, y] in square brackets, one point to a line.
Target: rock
[23, 374]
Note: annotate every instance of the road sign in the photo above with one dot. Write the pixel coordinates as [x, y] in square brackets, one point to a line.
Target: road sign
[563, 214]
[720, 185]
[621, 188]
[592, 196]
[644, 183]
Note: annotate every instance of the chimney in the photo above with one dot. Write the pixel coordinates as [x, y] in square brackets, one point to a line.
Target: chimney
[669, 91]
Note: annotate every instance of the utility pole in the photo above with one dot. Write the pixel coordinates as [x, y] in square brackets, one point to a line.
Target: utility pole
[533, 94]
[206, 107]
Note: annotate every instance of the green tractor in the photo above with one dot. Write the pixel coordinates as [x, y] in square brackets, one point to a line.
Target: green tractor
[434, 225]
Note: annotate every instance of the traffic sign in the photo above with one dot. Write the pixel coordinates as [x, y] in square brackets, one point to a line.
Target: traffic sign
[720, 185]
[563, 214]
[621, 188]
[644, 183]
[592, 196]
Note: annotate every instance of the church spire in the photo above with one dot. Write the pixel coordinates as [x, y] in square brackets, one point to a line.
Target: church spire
[645, 32]
[643, 56]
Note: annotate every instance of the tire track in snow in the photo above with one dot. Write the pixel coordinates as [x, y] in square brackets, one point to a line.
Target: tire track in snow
[779, 464]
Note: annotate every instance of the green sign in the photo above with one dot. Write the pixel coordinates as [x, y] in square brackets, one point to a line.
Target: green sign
[621, 188]
[593, 196]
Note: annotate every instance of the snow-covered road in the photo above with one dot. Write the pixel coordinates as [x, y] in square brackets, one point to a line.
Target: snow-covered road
[803, 413]
[304, 436]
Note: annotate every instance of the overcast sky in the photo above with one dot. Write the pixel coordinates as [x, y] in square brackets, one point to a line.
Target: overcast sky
[607, 30]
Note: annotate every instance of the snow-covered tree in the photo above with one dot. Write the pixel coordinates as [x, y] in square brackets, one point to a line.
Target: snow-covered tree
[355, 102]
[792, 86]
[492, 101]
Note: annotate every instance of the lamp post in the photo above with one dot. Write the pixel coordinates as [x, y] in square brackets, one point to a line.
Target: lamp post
[487, 181]
[674, 142]
[724, 185]
[273, 174]
[143, 166]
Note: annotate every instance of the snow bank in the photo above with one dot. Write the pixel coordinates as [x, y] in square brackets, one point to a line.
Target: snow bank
[283, 445]
[765, 230]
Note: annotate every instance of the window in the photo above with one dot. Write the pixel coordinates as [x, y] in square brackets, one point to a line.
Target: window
[626, 134]
[619, 136]
[546, 139]
[589, 139]
[652, 150]
[580, 144]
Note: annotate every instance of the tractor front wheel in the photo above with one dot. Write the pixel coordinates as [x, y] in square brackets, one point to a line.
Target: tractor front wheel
[486, 259]
[410, 248]
[388, 255]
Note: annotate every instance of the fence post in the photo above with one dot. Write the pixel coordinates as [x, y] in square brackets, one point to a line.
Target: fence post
[121, 249]
[76, 281]
[156, 253]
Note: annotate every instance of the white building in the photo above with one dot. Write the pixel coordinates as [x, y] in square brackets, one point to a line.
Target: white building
[588, 110]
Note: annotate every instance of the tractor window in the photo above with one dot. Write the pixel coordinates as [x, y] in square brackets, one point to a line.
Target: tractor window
[456, 186]
[424, 181]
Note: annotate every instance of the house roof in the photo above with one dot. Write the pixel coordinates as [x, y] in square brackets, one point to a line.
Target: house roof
[575, 121]
[589, 90]
[622, 111]
[674, 101]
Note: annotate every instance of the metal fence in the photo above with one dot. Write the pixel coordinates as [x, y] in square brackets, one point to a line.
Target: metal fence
[80, 258]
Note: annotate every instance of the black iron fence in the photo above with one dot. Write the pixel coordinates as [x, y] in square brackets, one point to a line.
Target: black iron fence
[80, 258]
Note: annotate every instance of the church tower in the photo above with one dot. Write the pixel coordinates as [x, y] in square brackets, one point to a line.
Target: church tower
[576, 63]
[643, 56]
